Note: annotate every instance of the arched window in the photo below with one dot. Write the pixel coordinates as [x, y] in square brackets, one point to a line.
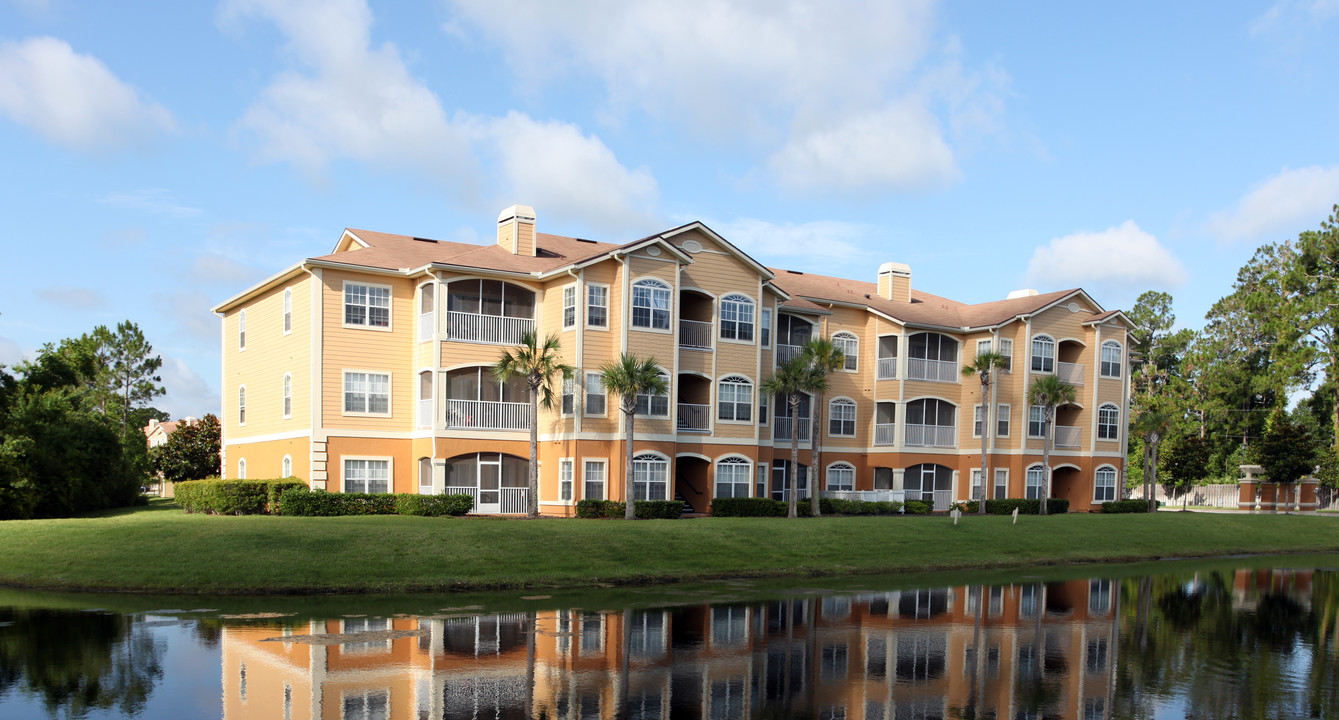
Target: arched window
[737, 317]
[1108, 422]
[841, 476]
[1111, 359]
[241, 468]
[425, 476]
[850, 346]
[288, 310]
[241, 405]
[734, 399]
[922, 481]
[841, 417]
[651, 304]
[288, 396]
[1104, 484]
[732, 477]
[241, 330]
[930, 423]
[1043, 354]
[650, 477]
[655, 405]
[1036, 478]
[287, 470]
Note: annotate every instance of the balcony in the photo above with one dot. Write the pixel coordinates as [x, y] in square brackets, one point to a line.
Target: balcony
[486, 415]
[932, 370]
[694, 334]
[504, 501]
[786, 352]
[425, 413]
[1068, 436]
[885, 434]
[491, 329]
[887, 368]
[781, 428]
[1071, 373]
[865, 495]
[694, 418]
[931, 435]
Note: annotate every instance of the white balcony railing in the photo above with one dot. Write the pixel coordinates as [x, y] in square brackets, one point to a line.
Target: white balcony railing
[427, 327]
[932, 370]
[1071, 373]
[865, 495]
[887, 368]
[463, 490]
[943, 500]
[485, 415]
[694, 418]
[781, 428]
[493, 329]
[786, 352]
[425, 413]
[1068, 436]
[931, 435]
[885, 434]
[515, 501]
[695, 334]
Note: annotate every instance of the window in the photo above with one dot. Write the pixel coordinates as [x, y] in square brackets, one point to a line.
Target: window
[975, 474]
[565, 471]
[288, 396]
[1007, 350]
[367, 476]
[424, 476]
[841, 476]
[287, 466]
[1001, 482]
[1099, 595]
[976, 420]
[850, 346]
[241, 330]
[656, 405]
[367, 305]
[288, 310]
[841, 418]
[732, 477]
[982, 347]
[569, 394]
[241, 468]
[595, 397]
[1108, 422]
[1104, 484]
[1111, 359]
[761, 480]
[767, 327]
[1043, 354]
[737, 318]
[650, 305]
[368, 705]
[367, 393]
[569, 307]
[597, 306]
[1036, 476]
[735, 399]
[1002, 420]
[594, 480]
[1036, 422]
[650, 477]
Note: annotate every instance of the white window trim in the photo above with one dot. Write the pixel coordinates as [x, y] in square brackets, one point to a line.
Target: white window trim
[390, 393]
[973, 476]
[753, 321]
[390, 469]
[1003, 410]
[1098, 429]
[753, 401]
[585, 411]
[669, 388]
[1032, 353]
[287, 460]
[1042, 436]
[659, 457]
[975, 409]
[752, 478]
[286, 322]
[286, 395]
[1007, 350]
[852, 337]
[585, 307]
[1115, 482]
[841, 400]
[390, 310]
[571, 464]
[241, 330]
[995, 479]
[603, 463]
[241, 468]
[767, 323]
[241, 406]
[1028, 471]
[574, 307]
[833, 465]
[1120, 365]
[632, 307]
[561, 387]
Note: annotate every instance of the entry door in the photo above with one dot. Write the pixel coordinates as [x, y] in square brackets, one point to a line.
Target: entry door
[490, 480]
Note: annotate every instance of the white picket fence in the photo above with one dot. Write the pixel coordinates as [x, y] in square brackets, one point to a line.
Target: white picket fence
[1225, 496]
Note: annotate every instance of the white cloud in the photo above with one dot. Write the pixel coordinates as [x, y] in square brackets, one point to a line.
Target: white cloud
[1114, 260]
[70, 296]
[188, 395]
[1296, 12]
[157, 201]
[765, 241]
[10, 352]
[1280, 206]
[189, 312]
[73, 99]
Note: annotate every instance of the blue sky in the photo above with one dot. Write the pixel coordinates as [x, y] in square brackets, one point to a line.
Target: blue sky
[162, 156]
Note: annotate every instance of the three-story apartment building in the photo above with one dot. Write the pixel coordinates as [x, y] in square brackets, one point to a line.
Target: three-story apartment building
[368, 370]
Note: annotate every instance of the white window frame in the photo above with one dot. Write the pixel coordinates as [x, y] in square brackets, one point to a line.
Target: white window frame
[1002, 412]
[241, 330]
[286, 466]
[1097, 494]
[974, 483]
[735, 382]
[650, 462]
[603, 465]
[977, 411]
[1102, 361]
[287, 395]
[733, 462]
[567, 480]
[765, 327]
[567, 404]
[595, 388]
[344, 391]
[591, 289]
[1042, 342]
[1036, 410]
[344, 307]
[648, 289]
[739, 305]
[344, 461]
[849, 344]
[843, 467]
[1109, 410]
[569, 306]
[1029, 487]
[1001, 473]
[983, 347]
[651, 399]
[241, 468]
[241, 406]
[762, 475]
[288, 311]
[1007, 350]
[847, 404]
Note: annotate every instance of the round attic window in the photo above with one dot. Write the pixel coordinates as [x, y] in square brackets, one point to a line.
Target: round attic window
[692, 246]
[1073, 307]
[653, 251]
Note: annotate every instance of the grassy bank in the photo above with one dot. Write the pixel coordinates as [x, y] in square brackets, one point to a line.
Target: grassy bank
[159, 549]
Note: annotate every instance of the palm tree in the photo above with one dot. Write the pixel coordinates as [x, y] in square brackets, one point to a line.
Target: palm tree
[824, 358]
[1151, 425]
[792, 380]
[1049, 392]
[984, 367]
[628, 377]
[537, 362]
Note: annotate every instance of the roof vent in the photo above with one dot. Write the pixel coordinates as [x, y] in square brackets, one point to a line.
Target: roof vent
[1028, 292]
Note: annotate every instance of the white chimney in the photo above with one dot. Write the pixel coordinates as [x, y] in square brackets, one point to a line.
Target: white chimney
[895, 281]
[516, 230]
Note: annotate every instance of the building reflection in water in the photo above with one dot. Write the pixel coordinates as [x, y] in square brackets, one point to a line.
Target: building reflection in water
[1010, 651]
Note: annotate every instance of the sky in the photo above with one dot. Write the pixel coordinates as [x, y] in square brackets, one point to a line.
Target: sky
[160, 157]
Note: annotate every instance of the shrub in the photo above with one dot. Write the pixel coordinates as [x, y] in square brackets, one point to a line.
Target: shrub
[759, 507]
[835, 506]
[644, 509]
[917, 507]
[433, 505]
[1026, 506]
[234, 497]
[1125, 506]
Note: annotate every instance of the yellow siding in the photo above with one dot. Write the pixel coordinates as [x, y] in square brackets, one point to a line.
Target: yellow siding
[269, 354]
[361, 349]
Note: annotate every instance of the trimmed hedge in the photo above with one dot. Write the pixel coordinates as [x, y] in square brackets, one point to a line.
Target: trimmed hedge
[319, 503]
[1125, 506]
[834, 506]
[433, 505]
[217, 496]
[917, 507]
[643, 509]
[767, 507]
[1026, 506]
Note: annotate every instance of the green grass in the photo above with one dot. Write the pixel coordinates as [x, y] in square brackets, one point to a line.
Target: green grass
[161, 550]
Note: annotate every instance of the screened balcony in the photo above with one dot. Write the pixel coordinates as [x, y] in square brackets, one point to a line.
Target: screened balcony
[887, 364]
[792, 333]
[933, 357]
[475, 400]
[931, 423]
[489, 311]
[783, 424]
[885, 423]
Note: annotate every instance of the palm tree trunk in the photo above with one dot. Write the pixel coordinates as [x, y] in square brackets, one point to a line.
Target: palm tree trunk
[815, 455]
[630, 509]
[532, 511]
[985, 430]
[794, 455]
[1046, 463]
[1153, 474]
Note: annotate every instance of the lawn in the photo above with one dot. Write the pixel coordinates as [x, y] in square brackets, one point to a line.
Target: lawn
[160, 549]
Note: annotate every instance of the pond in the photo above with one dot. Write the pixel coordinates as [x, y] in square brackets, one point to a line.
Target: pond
[1222, 638]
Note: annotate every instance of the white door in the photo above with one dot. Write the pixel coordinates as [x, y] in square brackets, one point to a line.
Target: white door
[490, 483]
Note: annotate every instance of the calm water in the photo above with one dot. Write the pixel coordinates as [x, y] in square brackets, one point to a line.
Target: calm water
[1247, 638]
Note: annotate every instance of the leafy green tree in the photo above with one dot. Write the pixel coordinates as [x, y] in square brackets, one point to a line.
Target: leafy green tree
[130, 372]
[1152, 426]
[984, 367]
[1288, 450]
[537, 363]
[191, 452]
[1048, 392]
[824, 359]
[627, 378]
[1185, 463]
[792, 380]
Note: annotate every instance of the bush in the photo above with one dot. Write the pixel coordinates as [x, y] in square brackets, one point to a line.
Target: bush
[834, 506]
[1125, 506]
[217, 496]
[644, 509]
[433, 505]
[917, 507]
[760, 507]
[1005, 506]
